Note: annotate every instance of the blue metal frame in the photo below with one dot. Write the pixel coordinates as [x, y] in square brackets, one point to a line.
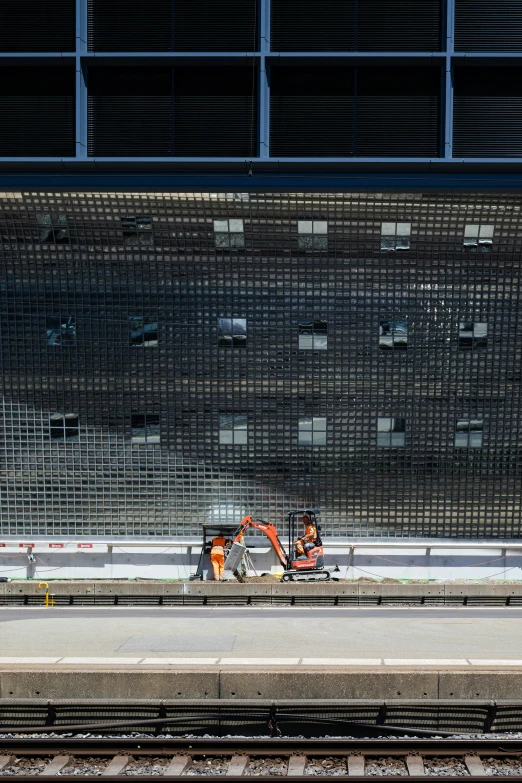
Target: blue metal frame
[447, 58]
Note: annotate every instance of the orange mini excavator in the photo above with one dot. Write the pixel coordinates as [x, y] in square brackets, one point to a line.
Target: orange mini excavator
[308, 569]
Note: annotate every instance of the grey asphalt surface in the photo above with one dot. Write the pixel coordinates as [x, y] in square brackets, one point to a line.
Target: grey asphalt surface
[366, 632]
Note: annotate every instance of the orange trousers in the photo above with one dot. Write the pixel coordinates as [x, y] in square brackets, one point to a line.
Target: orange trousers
[218, 564]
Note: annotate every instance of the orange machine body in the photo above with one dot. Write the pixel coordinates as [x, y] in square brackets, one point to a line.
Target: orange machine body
[314, 557]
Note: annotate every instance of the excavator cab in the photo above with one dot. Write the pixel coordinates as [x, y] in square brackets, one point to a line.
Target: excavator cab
[313, 560]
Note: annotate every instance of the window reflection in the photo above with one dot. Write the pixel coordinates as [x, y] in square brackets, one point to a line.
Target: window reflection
[61, 330]
[137, 230]
[390, 431]
[478, 237]
[393, 335]
[312, 431]
[233, 429]
[64, 426]
[145, 428]
[395, 236]
[468, 433]
[313, 335]
[53, 228]
[312, 234]
[143, 331]
[232, 332]
[473, 336]
[229, 233]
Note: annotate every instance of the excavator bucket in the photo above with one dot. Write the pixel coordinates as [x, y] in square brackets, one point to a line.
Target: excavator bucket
[235, 556]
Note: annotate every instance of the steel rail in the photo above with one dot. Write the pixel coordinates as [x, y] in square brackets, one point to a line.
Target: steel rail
[257, 746]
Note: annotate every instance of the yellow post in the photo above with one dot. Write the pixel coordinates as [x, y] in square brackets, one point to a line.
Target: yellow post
[44, 584]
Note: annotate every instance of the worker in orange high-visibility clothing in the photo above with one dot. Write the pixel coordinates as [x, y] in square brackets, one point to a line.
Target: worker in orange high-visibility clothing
[307, 541]
[217, 557]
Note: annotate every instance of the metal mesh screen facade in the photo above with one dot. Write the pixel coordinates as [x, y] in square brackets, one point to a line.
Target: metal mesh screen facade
[157, 370]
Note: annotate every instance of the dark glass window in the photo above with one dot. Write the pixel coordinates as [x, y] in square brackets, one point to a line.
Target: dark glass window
[61, 330]
[143, 331]
[312, 234]
[395, 236]
[233, 429]
[53, 228]
[313, 335]
[312, 431]
[478, 236]
[390, 432]
[145, 428]
[137, 230]
[229, 233]
[393, 335]
[232, 332]
[472, 336]
[64, 426]
[468, 433]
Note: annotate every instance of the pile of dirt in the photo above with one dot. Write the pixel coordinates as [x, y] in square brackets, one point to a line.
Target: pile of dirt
[262, 578]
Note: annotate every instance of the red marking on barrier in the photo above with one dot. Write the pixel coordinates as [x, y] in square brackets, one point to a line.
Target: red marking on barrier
[56, 546]
[24, 545]
[3, 544]
[85, 546]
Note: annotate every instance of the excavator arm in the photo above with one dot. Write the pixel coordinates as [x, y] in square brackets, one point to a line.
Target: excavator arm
[270, 532]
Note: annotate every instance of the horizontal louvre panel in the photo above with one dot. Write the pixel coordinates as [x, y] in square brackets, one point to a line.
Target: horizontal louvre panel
[130, 26]
[37, 107]
[209, 26]
[398, 112]
[487, 112]
[398, 126]
[38, 26]
[485, 26]
[489, 127]
[213, 112]
[310, 26]
[311, 112]
[402, 25]
[318, 126]
[344, 25]
[130, 112]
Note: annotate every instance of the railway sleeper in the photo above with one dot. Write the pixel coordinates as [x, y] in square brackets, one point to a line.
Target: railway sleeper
[384, 762]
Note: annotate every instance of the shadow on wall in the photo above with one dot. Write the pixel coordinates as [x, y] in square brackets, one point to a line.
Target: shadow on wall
[95, 482]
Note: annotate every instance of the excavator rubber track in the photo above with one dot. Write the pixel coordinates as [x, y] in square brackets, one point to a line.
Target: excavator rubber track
[305, 576]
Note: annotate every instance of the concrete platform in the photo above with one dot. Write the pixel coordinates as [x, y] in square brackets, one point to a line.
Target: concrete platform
[263, 652]
[255, 683]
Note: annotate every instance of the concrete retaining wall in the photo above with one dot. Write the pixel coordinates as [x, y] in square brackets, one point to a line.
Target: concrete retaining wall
[253, 683]
[270, 590]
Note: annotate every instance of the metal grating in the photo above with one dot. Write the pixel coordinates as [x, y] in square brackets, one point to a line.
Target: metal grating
[102, 483]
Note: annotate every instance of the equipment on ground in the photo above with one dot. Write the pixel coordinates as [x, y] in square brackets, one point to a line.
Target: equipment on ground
[209, 532]
[308, 569]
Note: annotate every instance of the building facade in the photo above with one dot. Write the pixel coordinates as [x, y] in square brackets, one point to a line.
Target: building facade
[258, 255]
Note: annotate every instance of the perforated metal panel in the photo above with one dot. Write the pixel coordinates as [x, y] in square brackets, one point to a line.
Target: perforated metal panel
[101, 481]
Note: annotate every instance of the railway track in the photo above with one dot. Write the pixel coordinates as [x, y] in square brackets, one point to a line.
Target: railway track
[175, 759]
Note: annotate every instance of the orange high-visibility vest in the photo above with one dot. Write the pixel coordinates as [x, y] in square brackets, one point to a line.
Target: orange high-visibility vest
[218, 545]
